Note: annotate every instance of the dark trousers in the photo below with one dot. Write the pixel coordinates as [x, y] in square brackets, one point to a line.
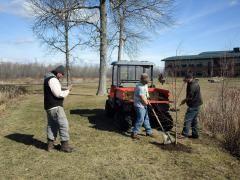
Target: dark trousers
[57, 122]
[191, 121]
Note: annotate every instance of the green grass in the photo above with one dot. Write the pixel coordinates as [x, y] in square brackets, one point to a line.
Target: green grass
[102, 152]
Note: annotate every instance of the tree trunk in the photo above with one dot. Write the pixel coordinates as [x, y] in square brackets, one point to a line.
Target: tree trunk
[67, 49]
[121, 15]
[102, 88]
[67, 60]
[120, 43]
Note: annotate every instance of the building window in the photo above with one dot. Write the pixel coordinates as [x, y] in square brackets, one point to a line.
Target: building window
[184, 65]
[199, 65]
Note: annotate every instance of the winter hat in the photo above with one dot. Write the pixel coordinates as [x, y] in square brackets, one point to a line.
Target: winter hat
[60, 69]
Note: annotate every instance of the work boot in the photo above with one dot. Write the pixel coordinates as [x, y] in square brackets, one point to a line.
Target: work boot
[50, 145]
[65, 147]
[182, 136]
[128, 132]
[134, 136]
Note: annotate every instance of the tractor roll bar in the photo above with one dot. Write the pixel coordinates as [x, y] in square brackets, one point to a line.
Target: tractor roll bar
[118, 68]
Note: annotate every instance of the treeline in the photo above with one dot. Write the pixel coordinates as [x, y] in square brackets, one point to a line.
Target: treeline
[9, 70]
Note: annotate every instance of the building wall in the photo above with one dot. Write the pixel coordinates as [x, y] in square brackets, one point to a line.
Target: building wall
[204, 68]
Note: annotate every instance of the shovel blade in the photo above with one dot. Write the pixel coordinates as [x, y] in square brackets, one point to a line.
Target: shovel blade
[167, 139]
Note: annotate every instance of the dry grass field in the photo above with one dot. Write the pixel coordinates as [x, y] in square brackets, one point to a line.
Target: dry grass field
[102, 151]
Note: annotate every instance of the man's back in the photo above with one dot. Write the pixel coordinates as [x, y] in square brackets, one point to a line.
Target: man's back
[194, 98]
[140, 90]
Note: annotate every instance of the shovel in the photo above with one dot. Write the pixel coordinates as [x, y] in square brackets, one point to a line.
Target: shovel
[166, 137]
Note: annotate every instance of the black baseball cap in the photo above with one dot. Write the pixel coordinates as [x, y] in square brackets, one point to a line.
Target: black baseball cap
[189, 75]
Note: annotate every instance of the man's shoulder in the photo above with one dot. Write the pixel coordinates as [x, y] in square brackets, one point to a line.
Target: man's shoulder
[139, 88]
[52, 80]
[140, 85]
[195, 83]
[49, 75]
[194, 86]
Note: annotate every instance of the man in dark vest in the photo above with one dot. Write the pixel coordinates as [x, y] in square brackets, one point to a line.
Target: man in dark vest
[194, 101]
[53, 104]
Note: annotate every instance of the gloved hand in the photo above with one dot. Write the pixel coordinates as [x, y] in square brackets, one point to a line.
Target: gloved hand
[183, 102]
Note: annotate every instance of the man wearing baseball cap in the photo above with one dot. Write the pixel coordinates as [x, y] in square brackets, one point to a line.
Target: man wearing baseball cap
[194, 101]
[141, 96]
[53, 104]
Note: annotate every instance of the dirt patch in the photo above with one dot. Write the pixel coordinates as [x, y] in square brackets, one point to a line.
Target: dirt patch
[173, 147]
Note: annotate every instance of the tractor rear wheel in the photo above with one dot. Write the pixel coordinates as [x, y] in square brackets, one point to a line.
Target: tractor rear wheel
[164, 117]
[167, 121]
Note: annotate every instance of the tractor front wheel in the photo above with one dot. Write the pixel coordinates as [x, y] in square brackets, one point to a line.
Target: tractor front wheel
[109, 111]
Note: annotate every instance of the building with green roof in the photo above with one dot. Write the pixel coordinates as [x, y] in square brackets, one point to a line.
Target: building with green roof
[205, 64]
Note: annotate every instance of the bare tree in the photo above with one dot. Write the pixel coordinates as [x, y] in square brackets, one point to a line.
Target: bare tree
[54, 24]
[119, 9]
[134, 19]
[54, 19]
[93, 15]
[97, 36]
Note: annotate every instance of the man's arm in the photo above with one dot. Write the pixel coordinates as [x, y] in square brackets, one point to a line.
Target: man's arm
[189, 95]
[56, 89]
[144, 100]
[142, 95]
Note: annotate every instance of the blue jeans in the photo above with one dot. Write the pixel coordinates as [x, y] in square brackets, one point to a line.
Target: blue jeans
[191, 121]
[142, 119]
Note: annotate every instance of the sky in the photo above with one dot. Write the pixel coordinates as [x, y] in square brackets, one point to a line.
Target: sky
[200, 25]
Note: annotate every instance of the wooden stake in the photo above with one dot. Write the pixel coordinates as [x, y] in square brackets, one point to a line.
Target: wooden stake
[175, 102]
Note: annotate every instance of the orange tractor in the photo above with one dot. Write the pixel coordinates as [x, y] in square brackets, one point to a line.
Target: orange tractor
[119, 105]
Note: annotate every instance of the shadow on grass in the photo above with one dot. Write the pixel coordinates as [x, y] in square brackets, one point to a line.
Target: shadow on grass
[27, 140]
[173, 147]
[97, 118]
